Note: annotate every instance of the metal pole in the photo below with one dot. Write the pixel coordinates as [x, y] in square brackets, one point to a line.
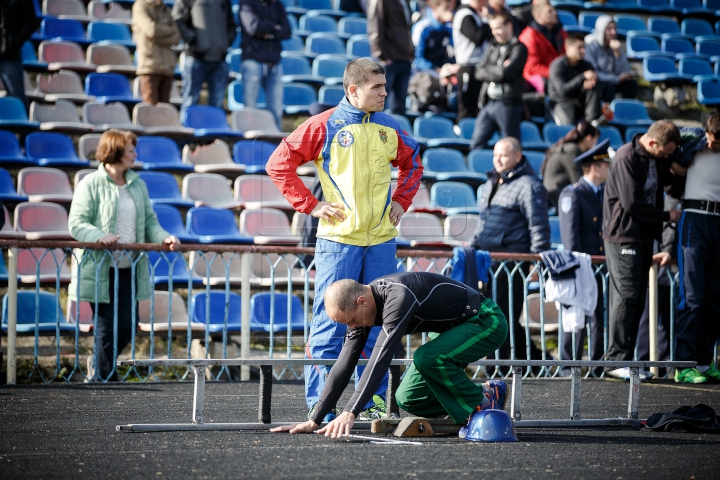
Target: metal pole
[12, 317]
[653, 316]
[245, 321]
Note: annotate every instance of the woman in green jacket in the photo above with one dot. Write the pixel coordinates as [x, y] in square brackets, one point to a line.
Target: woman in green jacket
[111, 207]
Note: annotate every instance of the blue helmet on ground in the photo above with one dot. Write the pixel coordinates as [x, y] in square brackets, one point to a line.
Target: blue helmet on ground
[489, 426]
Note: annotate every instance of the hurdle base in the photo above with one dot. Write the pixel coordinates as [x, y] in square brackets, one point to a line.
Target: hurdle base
[581, 423]
[176, 427]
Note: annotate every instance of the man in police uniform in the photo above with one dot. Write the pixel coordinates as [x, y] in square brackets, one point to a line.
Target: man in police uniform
[581, 231]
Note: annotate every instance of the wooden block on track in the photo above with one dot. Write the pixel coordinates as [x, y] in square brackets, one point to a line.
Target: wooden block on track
[414, 427]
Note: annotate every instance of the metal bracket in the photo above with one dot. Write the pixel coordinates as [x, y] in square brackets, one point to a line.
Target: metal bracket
[634, 398]
[575, 382]
[199, 395]
[515, 407]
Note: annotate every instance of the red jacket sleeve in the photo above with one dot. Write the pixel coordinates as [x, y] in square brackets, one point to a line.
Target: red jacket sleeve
[411, 170]
[300, 147]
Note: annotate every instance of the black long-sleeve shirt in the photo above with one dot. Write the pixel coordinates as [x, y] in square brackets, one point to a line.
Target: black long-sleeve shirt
[566, 80]
[406, 303]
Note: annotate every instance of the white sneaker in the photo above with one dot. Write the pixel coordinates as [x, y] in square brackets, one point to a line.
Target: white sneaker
[645, 375]
[621, 373]
[90, 369]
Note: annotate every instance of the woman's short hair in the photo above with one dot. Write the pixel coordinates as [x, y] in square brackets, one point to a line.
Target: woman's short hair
[112, 145]
[580, 131]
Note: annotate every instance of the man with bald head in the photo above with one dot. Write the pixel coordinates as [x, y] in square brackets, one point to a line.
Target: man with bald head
[465, 327]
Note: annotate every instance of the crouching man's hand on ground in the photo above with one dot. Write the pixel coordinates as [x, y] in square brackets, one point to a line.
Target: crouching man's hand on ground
[307, 427]
[340, 426]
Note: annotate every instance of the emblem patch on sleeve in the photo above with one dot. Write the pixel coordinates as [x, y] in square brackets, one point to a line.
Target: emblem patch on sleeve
[383, 136]
[566, 204]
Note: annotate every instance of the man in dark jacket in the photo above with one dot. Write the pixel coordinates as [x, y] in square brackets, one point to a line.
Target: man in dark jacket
[513, 218]
[500, 70]
[17, 24]
[573, 85]
[208, 29]
[632, 219]
[388, 27]
[264, 25]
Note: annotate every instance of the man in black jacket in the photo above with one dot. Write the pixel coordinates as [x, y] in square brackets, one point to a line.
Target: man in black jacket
[500, 70]
[573, 85]
[632, 219]
[17, 24]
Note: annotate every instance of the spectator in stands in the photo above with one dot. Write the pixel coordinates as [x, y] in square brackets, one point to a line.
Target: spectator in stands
[604, 52]
[500, 72]
[208, 29]
[388, 27]
[155, 33]
[513, 218]
[544, 38]
[112, 207]
[698, 324]
[356, 233]
[580, 215]
[432, 37]
[18, 21]
[632, 219]
[471, 36]
[495, 6]
[523, 14]
[573, 86]
[559, 168]
[264, 25]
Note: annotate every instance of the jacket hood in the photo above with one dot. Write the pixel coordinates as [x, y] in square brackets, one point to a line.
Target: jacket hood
[598, 35]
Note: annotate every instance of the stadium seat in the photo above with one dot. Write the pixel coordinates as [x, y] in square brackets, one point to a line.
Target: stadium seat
[171, 220]
[403, 122]
[421, 200]
[641, 46]
[696, 68]
[42, 221]
[296, 68]
[530, 137]
[459, 228]
[105, 116]
[663, 26]
[317, 23]
[552, 132]
[608, 131]
[258, 191]
[253, 154]
[30, 60]
[318, 43]
[60, 117]
[110, 32]
[612, 5]
[549, 320]
[697, 28]
[662, 70]
[448, 164]
[165, 311]
[358, 46]
[159, 153]
[111, 58]
[708, 92]
[630, 132]
[257, 124]
[110, 87]
[83, 316]
[59, 55]
[66, 30]
[218, 304]
[677, 47]
[587, 19]
[37, 311]
[62, 85]
[264, 318]
[65, 9]
[43, 184]
[42, 265]
[53, 150]
[689, 7]
[234, 61]
[467, 127]
[349, 26]
[235, 97]
[80, 174]
[293, 44]
[164, 265]
[454, 198]
[160, 119]
[629, 113]
[13, 116]
[8, 193]
[228, 268]
[421, 229]
[7, 230]
[320, 7]
[438, 132]
[101, 10]
[87, 146]
[663, 7]
[709, 47]
[211, 158]
[297, 98]
[209, 190]
[630, 23]
[480, 161]
[214, 225]
[555, 239]
[293, 22]
[267, 226]
[570, 23]
[330, 67]
[208, 122]
[535, 159]
[163, 189]
[10, 153]
[332, 95]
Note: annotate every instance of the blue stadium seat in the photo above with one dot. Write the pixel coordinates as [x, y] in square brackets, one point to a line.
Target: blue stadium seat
[697, 28]
[260, 319]
[570, 22]
[629, 23]
[53, 150]
[159, 266]
[296, 68]
[403, 122]
[234, 61]
[453, 198]
[209, 122]
[293, 44]
[481, 161]
[14, 117]
[530, 137]
[612, 5]
[663, 7]
[30, 59]
[641, 46]
[160, 153]
[3, 268]
[110, 32]
[63, 29]
[358, 46]
[632, 131]
[608, 131]
[8, 193]
[552, 132]
[171, 220]
[330, 67]
[678, 47]
[555, 238]
[629, 113]
[110, 87]
[535, 159]
[438, 132]
[297, 98]
[318, 43]
[708, 92]
[688, 7]
[696, 68]
[235, 97]
[331, 94]
[709, 47]
[317, 23]
[320, 7]
[294, 25]
[587, 20]
[49, 315]
[662, 69]
[448, 164]
[712, 6]
[218, 303]
[663, 26]
[163, 190]
[253, 154]
[10, 152]
[350, 26]
[467, 126]
[214, 225]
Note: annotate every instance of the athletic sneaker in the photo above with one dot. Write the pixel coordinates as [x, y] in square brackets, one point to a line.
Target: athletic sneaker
[712, 374]
[378, 410]
[624, 374]
[497, 396]
[328, 418]
[689, 375]
[90, 369]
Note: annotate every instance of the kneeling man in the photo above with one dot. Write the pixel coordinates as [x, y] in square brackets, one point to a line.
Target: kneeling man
[466, 327]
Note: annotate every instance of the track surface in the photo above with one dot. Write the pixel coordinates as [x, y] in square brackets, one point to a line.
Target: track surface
[68, 431]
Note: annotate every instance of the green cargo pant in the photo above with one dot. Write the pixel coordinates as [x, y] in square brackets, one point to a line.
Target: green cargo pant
[436, 384]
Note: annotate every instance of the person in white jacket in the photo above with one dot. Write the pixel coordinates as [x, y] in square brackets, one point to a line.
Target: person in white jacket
[604, 52]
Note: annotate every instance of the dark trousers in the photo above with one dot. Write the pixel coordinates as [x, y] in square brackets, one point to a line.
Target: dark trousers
[11, 73]
[626, 89]
[104, 331]
[397, 76]
[698, 321]
[468, 93]
[628, 267]
[496, 115]
[155, 88]
[596, 341]
[585, 105]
